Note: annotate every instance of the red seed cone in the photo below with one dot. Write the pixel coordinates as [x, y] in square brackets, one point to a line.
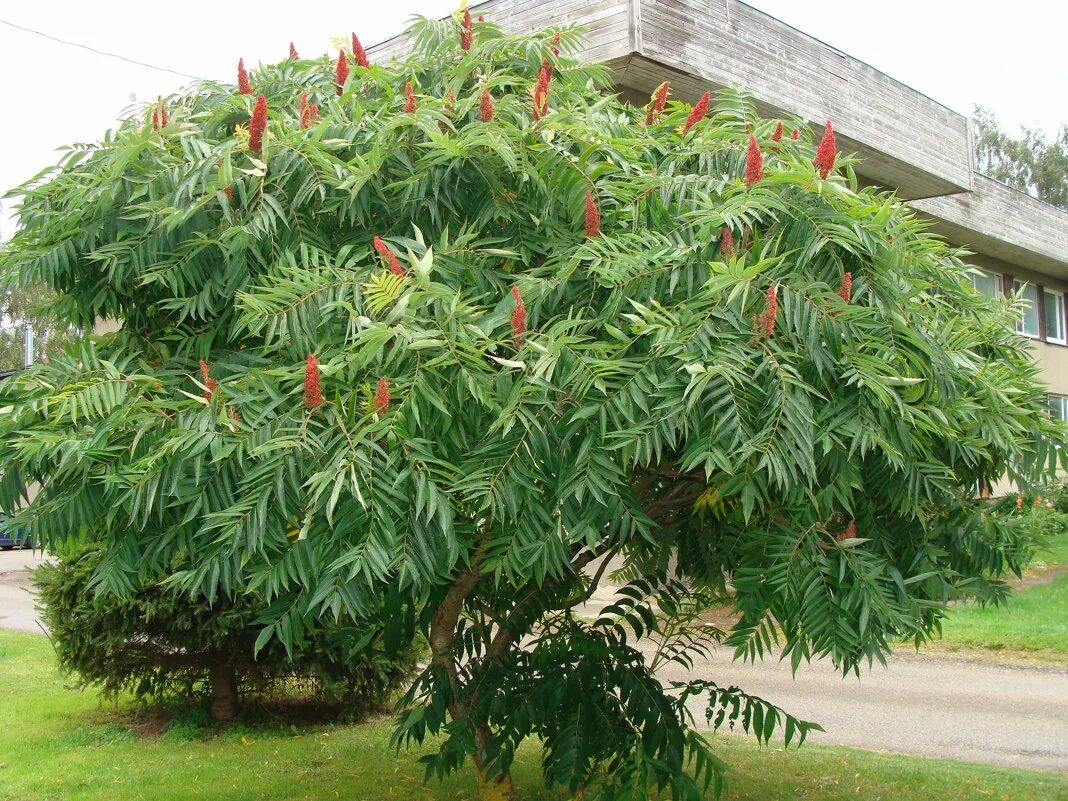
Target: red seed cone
[485, 107]
[754, 162]
[849, 532]
[209, 383]
[726, 242]
[697, 113]
[359, 55]
[293, 52]
[309, 112]
[777, 136]
[244, 86]
[382, 396]
[481, 18]
[387, 254]
[593, 217]
[795, 134]
[657, 102]
[409, 99]
[540, 101]
[765, 321]
[257, 124]
[466, 34]
[341, 71]
[313, 393]
[519, 317]
[229, 192]
[845, 292]
[827, 152]
[554, 46]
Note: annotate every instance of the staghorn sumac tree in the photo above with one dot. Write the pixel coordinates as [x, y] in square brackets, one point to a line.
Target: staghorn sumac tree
[461, 359]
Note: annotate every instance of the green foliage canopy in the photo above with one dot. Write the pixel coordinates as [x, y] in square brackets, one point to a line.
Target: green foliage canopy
[820, 452]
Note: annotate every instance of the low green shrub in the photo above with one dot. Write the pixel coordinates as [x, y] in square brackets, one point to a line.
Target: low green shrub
[163, 646]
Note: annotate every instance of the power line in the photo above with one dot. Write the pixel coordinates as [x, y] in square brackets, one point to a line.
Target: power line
[99, 52]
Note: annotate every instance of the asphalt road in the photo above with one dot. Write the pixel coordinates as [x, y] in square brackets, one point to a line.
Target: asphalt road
[16, 602]
[942, 706]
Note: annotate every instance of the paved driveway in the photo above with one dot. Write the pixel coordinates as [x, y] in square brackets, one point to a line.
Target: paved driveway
[943, 706]
[16, 603]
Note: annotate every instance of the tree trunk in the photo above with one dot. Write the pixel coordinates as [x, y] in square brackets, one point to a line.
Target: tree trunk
[497, 787]
[223, 692]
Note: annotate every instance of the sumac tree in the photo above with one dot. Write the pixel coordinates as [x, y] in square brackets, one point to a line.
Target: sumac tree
[459, 353]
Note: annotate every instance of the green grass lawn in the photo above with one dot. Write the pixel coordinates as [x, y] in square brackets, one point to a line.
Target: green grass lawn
[57, 743]
[1033, 625]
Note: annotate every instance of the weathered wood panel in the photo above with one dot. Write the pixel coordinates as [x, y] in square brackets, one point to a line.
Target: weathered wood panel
[907, 140]
[607, 24]
[998, 221]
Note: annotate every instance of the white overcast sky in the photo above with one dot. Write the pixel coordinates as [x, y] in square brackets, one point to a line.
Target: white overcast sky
[1009, 57]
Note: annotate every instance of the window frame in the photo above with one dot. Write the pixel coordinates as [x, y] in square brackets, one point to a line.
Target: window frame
[1017, 285]
[999, 282]
[1054, 399]
[1059, 315]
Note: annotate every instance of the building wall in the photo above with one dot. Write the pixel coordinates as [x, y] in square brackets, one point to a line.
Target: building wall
[907, 141]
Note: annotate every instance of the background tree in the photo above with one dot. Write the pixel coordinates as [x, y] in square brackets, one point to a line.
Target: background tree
[1031, 162]
[29, 304]
[468, 327]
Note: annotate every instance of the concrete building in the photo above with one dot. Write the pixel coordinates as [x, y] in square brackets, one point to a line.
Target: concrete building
[907, 141]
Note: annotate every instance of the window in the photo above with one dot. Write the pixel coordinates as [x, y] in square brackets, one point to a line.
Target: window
[1028, 322]
[1058, 406]
[987, 284]
[1053, 302]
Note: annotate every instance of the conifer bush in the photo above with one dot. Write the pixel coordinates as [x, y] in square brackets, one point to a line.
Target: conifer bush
[164, 647]
[475, 327]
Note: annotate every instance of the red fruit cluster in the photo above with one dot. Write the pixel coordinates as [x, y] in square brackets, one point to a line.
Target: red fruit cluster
[209, 383]
[257, 125]
[409, 99]
[382, 396]
[795, 134]
[359, 55]
[313, 392]
[827, 152]
[765, 321]
[293, 52]
[777, 136]
[244, 86]
[229, 192]
[726, 242]
[697, 113]
[657, 102]
[540, 105]
[309, 112]
[341, 71]
[554, 47]
[159, 115]
[593, 216]
[754, 162]
[845, 292]
[849, 532]
[485, 107]
[519, 317]
[466, 34]
[387, 254]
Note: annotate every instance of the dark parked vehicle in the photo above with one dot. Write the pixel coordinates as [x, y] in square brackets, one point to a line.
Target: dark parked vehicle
[11, 537]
